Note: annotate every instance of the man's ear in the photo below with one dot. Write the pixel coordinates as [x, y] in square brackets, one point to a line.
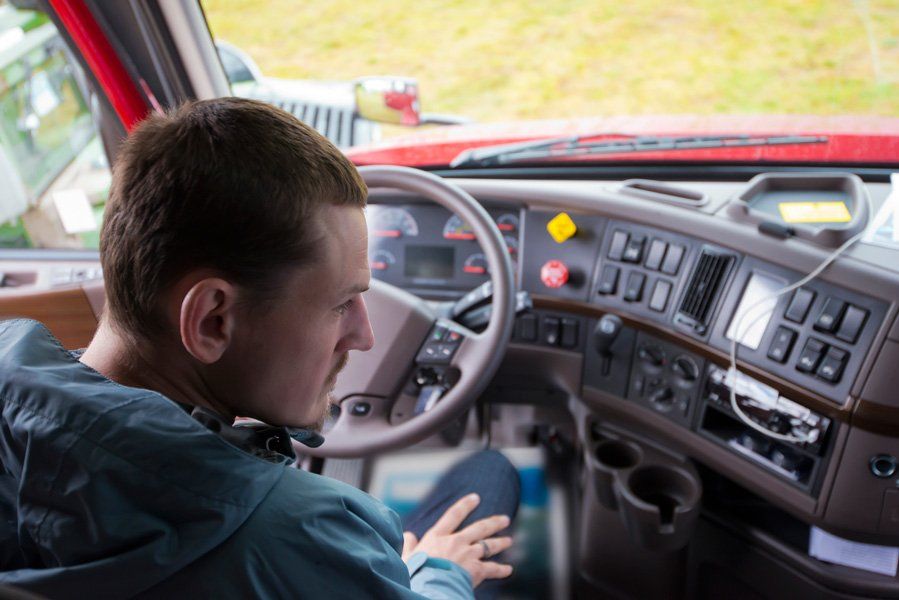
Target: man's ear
[207, 319]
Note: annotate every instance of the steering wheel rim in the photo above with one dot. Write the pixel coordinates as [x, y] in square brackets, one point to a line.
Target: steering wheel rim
[477, 357]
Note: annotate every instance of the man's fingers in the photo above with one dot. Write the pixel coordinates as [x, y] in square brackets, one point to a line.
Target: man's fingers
[455, 514]
[497, 545]
[409, 543]
[493, 570]
[484, 528]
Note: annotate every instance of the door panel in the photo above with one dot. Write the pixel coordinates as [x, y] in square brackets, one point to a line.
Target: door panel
[67, 313]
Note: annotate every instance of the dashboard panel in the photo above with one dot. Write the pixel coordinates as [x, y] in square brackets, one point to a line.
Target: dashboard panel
[679, 277]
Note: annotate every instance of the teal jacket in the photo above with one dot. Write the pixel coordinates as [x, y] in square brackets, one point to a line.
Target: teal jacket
[113, 492]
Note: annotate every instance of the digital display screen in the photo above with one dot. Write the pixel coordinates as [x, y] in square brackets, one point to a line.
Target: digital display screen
[753, 326]
[430, 262]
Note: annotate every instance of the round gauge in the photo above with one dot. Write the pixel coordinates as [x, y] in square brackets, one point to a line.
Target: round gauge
[381, 260]
[507, 223]
[476, 264]
[392, 222]
[512, 245]
[457, 229]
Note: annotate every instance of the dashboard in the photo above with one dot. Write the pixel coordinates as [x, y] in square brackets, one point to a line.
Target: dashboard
[817, 364]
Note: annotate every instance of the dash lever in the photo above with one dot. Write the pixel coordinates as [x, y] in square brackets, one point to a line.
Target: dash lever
[428, 397]
[604, 335]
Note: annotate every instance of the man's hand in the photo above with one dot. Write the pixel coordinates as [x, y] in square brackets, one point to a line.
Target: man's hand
[471, 547]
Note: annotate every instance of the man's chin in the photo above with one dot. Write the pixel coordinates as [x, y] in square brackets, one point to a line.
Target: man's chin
[319, 424]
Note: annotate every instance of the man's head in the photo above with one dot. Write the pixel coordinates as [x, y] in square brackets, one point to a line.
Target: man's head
[229, 229]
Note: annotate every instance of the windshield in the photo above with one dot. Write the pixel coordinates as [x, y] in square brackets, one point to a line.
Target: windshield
[493, 72]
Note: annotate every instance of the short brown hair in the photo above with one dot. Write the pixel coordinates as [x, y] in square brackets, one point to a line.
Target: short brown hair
[229, 184]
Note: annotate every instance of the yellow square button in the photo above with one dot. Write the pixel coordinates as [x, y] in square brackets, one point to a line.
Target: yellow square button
[561, 227]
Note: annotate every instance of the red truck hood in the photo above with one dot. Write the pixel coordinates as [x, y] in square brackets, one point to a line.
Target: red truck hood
[869, 140]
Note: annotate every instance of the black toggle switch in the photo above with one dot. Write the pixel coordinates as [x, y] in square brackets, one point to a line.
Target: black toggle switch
[551, 331]
[830, 316]
[608, 280]
[633, 291]
[799, 305]
[810, 355]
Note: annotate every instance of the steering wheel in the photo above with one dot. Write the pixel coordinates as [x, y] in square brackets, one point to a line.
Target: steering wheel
[377, 390]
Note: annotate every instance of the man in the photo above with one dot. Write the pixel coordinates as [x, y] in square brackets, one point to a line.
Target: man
[234, 254]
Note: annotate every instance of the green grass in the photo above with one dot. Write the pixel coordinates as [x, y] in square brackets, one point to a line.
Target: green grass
[508, 59]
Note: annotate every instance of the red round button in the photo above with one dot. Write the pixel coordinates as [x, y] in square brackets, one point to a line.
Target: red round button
[554, 274]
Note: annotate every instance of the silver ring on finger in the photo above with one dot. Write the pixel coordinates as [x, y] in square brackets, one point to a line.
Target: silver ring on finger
[486, 548]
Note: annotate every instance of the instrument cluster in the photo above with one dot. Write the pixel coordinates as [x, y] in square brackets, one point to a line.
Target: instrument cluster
[426, 248]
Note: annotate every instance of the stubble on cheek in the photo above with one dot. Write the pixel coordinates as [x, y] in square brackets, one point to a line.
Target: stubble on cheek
[327, 398]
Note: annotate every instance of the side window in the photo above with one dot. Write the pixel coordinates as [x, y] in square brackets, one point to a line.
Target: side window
[53, 171]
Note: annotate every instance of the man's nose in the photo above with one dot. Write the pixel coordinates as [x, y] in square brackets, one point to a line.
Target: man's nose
[364, 337]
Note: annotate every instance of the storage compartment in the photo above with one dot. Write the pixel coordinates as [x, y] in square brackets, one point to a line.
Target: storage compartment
[825, 208]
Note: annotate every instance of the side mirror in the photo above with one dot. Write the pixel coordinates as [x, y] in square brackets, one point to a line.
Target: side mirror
[388, 100]
[238, 66]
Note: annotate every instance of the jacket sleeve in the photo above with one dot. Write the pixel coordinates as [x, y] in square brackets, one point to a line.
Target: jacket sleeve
[438, 578]
[351, 549]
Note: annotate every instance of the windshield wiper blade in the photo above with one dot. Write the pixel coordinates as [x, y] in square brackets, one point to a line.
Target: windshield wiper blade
[574, 146]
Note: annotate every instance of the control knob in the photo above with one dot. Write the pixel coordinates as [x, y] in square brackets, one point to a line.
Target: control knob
[662, 398]
[685, 368]
[651, 355]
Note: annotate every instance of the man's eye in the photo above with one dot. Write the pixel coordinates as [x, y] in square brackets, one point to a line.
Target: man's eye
[345, 306]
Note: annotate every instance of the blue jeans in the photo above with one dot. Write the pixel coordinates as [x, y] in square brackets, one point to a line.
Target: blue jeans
[490, 475]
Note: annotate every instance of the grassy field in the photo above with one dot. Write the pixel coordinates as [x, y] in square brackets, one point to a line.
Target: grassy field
[511, 59]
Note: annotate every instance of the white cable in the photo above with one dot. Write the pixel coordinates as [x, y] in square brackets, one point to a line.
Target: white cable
[739, 333]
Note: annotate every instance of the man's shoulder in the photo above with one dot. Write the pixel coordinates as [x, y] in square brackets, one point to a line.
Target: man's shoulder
[326, 494]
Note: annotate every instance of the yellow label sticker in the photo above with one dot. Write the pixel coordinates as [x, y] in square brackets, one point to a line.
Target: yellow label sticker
[561, 227]
[814, 212]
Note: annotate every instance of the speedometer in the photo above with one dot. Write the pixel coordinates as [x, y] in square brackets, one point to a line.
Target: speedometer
[391, 222]
[457, 229]
[507, 223]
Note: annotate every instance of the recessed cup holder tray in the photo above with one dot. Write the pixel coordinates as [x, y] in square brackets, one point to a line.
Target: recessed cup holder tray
[657, 495]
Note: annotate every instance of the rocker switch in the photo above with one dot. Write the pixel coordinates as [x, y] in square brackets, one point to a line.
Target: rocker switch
[830, 315]
[799, 305]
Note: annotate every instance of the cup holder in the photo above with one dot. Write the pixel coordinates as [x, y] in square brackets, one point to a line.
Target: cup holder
[616, 454]
[609, 458]
[660, 504]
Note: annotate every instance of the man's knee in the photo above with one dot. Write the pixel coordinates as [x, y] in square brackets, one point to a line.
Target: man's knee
[502, 473]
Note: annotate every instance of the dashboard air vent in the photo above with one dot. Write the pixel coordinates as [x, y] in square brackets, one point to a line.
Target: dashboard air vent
[702, 291]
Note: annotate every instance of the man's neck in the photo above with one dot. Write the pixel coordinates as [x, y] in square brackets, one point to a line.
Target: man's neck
[169, 373]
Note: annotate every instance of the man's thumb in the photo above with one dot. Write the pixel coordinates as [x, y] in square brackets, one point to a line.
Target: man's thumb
[409, 543]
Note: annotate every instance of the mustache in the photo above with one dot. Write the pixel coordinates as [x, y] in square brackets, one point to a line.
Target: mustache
[339, 367]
